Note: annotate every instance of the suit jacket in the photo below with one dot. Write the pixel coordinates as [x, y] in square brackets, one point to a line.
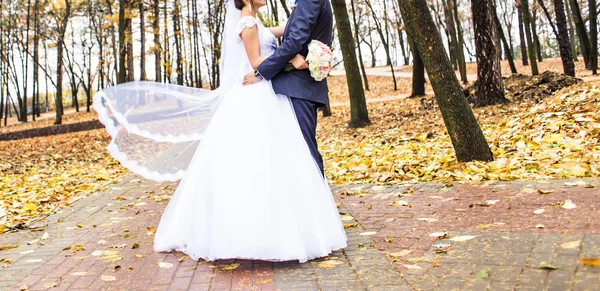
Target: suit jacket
[310, 20]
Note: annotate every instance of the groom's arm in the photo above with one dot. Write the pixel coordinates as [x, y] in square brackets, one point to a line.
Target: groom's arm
[307, 13]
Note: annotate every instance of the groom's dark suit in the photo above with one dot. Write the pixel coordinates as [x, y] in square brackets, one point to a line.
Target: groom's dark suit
[311, 20]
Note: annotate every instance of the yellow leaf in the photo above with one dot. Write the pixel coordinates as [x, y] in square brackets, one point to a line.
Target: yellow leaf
[231, 267]
[8, 247]
[29, 207]
[592, 262]
[329, 264]
[545, 191]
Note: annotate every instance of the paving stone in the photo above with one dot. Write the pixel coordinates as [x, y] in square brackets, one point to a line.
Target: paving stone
[504, 242]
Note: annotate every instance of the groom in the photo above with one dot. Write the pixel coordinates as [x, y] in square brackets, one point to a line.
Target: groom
[310, 20]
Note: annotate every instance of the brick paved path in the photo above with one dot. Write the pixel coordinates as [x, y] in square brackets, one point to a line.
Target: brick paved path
[400, 238]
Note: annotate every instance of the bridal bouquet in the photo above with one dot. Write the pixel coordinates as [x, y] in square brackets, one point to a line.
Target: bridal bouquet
[319, 60]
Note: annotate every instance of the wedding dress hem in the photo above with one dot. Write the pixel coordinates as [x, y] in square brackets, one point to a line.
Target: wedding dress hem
[274, 260]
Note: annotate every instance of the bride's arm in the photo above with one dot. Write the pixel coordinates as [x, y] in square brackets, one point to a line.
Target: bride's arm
[278, 31]
[252, 45]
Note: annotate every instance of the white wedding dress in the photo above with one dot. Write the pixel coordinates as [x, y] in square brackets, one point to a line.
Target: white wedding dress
[252, 189]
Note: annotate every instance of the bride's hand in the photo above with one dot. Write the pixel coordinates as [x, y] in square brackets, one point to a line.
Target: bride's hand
[299, 62]
[250, 79]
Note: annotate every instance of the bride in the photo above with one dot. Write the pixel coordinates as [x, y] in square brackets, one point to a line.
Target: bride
[251, 190]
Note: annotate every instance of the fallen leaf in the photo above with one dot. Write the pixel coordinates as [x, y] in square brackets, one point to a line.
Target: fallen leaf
[592, 262]
[413, 267]
[183, 258]
[8, 247]
[539, 226]
[350, 225]
[110, 256]
[78, 273]
[482, 275]
[50, 285]
[576, 183]
[427, 219]
[463, 238]
[45, 236]
[368, 233]
[150, 230]
[165, 265]
[329, 264]
[230, 267]
[438, 234]
[346, 218]
[400, 203]
[108, 278]
[492, 202]
[401, 253]
[539, 211]
[540, 191]
[568, 204]
[29, 207]
[546, 266]
[570, 245]
[414, 260]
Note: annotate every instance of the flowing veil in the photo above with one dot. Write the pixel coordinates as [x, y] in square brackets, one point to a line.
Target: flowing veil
[156, 127]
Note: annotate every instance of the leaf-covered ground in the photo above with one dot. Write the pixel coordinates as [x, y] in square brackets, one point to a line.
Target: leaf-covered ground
[556, 137]
[407, 142]
[43, 174]
[47, 119]
[549, 64]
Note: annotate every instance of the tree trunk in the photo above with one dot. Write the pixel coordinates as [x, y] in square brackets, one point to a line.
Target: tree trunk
[177, 34]
[166, 48]
[358, 42]
[522, 34]
[35, 101]
[2, 79]
[59, 61]
[405, 54]
[490, 89]
[384, 36]
[530, 44]
[115, 45]
[536, 38]
[198, 71]
[507, 50]
[285, 8]
[156, 48]
[418, 70]
[122, 76]
[572, 37]
[461, 43]
[371, 44]
[563, 38]
[359, 115]
[26, 71]
[129, 43]
[142, 42]
[466, 135]
[593, 35]
[584, 42]
[549, 17]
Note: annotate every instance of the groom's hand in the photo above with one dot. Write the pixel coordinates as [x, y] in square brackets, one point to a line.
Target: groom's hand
[299, 62]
